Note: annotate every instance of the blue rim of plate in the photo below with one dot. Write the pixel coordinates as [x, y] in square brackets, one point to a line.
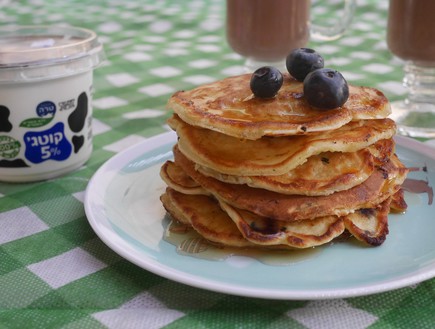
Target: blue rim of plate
[118, 203]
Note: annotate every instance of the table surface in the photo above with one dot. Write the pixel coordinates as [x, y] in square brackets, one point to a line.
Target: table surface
[55, 272]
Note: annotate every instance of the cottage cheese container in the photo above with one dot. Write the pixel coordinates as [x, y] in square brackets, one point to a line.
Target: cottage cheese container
[46, 76]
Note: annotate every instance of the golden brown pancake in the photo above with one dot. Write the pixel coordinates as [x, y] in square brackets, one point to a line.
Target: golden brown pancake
[383, 183]
[175, 177]
[205, 215]
[228, 106]
[322, 174]
[383, 150]
[369, 225]
[398, 203]
[273, 155]
[265, 231]
[238, 228]
[225, 225]
[178, 180]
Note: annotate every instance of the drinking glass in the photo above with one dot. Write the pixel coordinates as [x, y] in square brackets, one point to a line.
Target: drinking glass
[266, 31]
[411, 37]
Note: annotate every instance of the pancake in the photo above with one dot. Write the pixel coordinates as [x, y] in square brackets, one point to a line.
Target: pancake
[322, 174]
[273, 155]
[228, 226]
[228, 106]
[178, 180]
[265, 231]
[398, 203]
[383, 183]
[225, 225]
[369, 225]
[175, 177]
[203, 215]
[206, 217]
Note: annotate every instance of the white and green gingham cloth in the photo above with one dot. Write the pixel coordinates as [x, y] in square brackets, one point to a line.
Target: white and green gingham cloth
[56, 273]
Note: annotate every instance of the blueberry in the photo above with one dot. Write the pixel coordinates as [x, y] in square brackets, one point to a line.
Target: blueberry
[302, 61]
[266, 81]
[326, 89]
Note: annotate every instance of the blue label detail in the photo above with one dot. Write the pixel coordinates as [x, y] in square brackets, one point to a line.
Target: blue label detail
[49, 144]
[46, 108]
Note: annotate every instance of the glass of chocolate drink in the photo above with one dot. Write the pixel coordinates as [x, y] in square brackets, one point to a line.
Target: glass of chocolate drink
[266, 31]
[411, 37]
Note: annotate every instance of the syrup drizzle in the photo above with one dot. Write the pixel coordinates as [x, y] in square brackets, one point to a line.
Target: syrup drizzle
[190, 243]
[419, 186]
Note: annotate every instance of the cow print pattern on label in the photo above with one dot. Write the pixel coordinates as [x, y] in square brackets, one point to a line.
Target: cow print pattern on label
[77, 118]
[17, 163]
[78, 142]
[5, 125]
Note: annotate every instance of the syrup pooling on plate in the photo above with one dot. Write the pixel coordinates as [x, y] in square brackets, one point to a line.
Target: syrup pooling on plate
[418, 186]
[190, 243]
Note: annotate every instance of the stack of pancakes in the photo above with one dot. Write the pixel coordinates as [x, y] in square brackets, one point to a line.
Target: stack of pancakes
[278, 173]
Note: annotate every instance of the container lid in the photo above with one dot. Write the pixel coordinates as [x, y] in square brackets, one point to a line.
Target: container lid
[29, 53]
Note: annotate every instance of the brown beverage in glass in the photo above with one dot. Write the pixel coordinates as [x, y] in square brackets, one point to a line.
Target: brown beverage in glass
[411, 30]
[267, 30]
[411, 37]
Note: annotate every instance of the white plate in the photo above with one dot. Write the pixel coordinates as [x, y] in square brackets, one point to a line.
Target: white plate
[123, 207]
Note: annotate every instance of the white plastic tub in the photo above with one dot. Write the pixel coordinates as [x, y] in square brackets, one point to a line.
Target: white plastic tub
[46, 76]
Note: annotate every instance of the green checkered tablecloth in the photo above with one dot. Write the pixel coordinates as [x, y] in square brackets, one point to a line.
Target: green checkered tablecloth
[56, 273]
